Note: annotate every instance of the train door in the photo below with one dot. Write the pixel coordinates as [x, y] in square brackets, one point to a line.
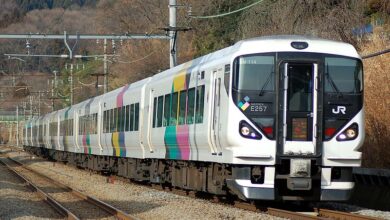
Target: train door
[299, 112]
[215, 110]
[149, 126]
[77, 139]
[99, 128]
[47, 134]
[58, 118]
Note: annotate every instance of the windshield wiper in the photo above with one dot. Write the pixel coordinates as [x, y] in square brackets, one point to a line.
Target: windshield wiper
[332, 83]
[266, 83]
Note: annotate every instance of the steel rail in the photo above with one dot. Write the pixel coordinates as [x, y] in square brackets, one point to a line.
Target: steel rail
[46, 197]
[318, 213]
[108, 208]
[342, 215]
[290, 214]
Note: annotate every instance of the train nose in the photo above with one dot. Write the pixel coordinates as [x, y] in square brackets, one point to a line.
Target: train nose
[299, 178]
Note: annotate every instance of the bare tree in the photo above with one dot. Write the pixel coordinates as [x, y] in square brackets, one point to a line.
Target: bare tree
[321, 18]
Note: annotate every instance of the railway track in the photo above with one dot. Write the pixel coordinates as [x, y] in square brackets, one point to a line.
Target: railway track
[70, 203]
[278, 211]
[316, 213]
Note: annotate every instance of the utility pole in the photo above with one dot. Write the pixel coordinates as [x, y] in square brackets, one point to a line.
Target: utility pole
[105, 69]
[71, 83]
[172, 33]
[66, 37]
[97, 81]
[17, 125]
[53, 87]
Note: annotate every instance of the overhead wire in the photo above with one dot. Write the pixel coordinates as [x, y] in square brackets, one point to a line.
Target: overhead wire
[86, 84]
[227, 13]
[376, 54]
[133, 61]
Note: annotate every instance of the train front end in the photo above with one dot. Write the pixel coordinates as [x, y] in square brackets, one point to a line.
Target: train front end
[298, 119]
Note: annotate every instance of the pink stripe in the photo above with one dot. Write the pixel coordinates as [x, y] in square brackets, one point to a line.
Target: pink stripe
[85, 143]
[183, 141]
[119, 98]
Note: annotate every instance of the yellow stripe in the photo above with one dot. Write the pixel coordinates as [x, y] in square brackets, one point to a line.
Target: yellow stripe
[115, 141]
[179, 82]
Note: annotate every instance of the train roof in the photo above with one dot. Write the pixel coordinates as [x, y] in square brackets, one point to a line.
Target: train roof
[282, 43]
[263, 44]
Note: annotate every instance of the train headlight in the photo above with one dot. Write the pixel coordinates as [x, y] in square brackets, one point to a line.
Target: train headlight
[350, 133]
[244, 131]
[248, 131]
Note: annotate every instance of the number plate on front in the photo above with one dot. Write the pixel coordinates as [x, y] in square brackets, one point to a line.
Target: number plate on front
[299, 168]
[259, 107]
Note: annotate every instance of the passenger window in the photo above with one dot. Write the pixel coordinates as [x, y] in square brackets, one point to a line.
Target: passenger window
[80, 125]
[111, 120]
[132, 117]
[136, 121]
[91, 124]
[106, 122]
[87, 124]
[65, 128]
[182, 107]
[167, 109]
[173, 118]
[120, 123]
[117, 127]
[227, 77]
[71, 127]
[127, 123]
[191, 106]
[114, 120]
[117, 119]
[96, 123]
[83, 125]
[199, 104]
[154, 112]
[160, 111]
[123, 126]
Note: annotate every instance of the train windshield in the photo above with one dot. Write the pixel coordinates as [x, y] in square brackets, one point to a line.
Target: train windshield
[255, 73]
[343, 75]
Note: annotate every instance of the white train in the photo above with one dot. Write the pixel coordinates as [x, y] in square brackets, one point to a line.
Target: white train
[270, 118]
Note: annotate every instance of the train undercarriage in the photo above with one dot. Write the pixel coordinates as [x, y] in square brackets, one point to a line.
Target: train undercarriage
[243, 181]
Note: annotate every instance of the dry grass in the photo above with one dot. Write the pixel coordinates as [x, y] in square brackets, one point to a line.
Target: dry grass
[376, 149]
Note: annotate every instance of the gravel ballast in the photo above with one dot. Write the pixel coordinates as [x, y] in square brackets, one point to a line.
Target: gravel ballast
[147, 203]
[140, 201]
[357, 210]
[18, 202]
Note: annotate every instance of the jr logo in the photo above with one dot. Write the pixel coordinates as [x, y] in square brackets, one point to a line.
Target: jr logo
[339, 109]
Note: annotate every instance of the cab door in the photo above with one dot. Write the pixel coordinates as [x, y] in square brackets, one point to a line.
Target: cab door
[300, 94]
[214, 134]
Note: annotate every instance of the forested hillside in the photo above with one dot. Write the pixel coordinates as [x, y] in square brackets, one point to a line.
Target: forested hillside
[340, 20]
